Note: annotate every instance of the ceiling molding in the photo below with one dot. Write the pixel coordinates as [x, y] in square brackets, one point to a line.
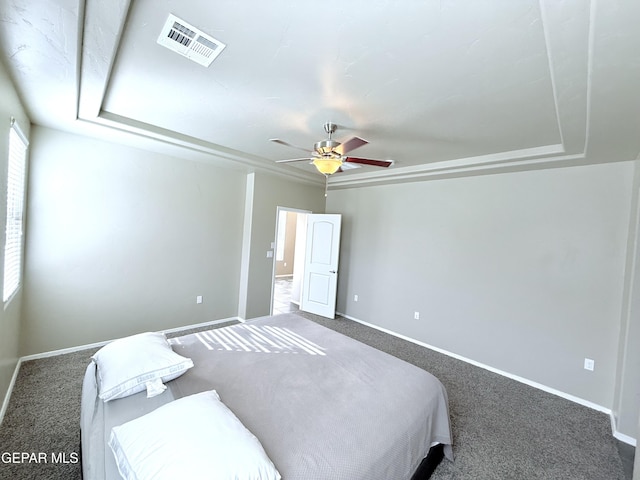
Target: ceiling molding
[186, 142]
[100, 68]
[99, 52]
[98, 56]
[530, 159]
[536, 84]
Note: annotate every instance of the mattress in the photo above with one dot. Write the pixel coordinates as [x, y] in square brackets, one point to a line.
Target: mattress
[322, 404]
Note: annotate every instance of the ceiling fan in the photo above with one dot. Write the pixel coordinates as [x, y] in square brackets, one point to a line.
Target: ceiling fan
[330, 156]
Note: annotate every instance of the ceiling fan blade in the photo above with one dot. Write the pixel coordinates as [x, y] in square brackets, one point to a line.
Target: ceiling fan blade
[367, 161]
[286, 144]
[349, 145]
[289, 160]
[349, 166]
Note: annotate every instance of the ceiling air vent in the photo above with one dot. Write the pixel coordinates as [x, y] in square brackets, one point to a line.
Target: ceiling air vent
[187, 40]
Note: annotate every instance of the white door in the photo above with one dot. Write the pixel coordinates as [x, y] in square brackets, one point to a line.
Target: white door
[320, 281]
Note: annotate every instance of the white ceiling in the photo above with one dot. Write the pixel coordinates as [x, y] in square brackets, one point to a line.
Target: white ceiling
[441, 87]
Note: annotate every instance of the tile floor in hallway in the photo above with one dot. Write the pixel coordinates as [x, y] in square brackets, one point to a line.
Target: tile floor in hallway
[282, 296]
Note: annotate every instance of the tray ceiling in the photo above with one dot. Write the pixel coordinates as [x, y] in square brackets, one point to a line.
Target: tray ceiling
[440, 87]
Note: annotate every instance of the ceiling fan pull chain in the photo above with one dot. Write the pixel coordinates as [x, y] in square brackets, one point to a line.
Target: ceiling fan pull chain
[326, 184]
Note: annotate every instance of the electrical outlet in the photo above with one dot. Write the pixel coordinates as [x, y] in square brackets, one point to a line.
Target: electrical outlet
[416, 315]
[589, 364]
[355, 298]
[199, 299]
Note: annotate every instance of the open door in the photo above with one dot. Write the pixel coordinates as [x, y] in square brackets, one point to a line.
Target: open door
[320, 284]
[288, 261]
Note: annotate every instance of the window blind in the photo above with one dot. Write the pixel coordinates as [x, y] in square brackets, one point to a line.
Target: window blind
[15, 203]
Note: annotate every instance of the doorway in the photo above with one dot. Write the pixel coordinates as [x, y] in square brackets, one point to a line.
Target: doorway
[289, 254]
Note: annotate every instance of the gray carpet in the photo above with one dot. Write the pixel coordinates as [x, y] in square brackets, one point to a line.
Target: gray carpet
[502, 429]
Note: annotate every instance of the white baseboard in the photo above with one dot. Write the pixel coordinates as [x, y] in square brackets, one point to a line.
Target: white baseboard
[62, 351]
[53, 353]
[7, 397]
[620, 436]
[79, 348]
[204, 324]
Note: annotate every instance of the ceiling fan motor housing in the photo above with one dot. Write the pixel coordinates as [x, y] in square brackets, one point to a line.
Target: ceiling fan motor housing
[325, 147]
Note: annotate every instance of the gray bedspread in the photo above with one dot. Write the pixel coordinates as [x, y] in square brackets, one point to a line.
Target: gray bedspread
[323, 405]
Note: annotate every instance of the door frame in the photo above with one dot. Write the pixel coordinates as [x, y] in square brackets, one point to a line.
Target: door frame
[275, 246]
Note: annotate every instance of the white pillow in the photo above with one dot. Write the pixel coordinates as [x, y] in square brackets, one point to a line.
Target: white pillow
[125, 366]
[195, 437]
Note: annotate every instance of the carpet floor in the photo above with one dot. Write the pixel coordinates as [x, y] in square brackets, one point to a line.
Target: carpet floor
[502, 429]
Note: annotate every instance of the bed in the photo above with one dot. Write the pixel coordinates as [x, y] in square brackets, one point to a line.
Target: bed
[321, 404]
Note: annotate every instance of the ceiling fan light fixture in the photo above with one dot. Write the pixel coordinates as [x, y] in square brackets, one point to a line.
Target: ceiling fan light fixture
[327, 166]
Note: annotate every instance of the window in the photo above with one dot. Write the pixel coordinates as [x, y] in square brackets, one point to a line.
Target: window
[15, 202]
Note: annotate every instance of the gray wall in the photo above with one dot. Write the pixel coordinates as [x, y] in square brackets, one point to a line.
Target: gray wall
[523, 272]
[122, 240]
[10, 106]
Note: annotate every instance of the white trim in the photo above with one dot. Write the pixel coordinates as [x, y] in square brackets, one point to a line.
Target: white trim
[552, 74]
[16, 126]
[581, 401]
[515, 158]
[621, 436]
[591, 41]
[203, 324]
[53, 353]
[7, 397]
[79, 348]
[62, 351]
[197, 146]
